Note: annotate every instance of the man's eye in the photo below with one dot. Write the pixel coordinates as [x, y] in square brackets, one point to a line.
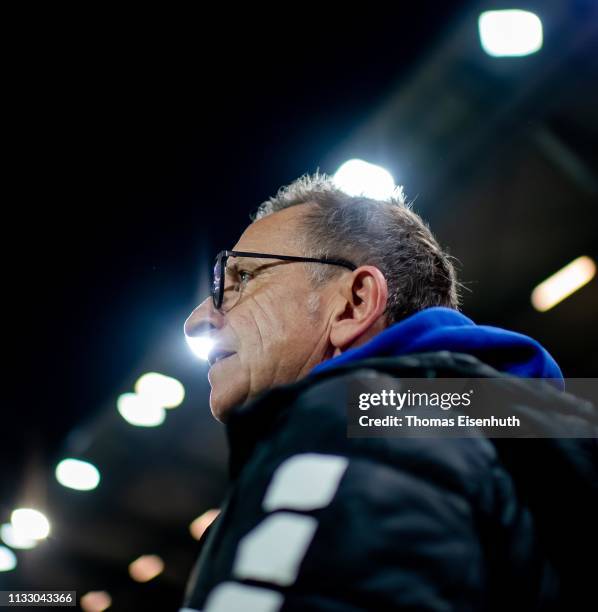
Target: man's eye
[244, 276]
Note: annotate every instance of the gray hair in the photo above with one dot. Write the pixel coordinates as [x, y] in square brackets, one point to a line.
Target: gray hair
[383, 233]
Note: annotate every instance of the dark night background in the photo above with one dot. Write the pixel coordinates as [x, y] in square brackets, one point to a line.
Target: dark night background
[137, 148]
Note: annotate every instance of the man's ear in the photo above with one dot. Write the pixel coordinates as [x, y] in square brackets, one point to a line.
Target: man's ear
[364, 296]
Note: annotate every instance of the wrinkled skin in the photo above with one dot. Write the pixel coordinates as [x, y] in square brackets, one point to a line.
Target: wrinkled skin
[278, 324]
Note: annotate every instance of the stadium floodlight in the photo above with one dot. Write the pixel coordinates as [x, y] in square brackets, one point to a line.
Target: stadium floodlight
[510, 33]
[357, 177]
[200, 345]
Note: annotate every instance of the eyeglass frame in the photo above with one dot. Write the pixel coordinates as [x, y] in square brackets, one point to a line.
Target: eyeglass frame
[222, 257]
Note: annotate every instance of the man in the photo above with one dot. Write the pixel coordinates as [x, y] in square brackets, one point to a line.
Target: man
[321, 288]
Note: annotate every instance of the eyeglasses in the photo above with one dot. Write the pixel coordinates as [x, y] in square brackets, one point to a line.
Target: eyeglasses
[219, 271]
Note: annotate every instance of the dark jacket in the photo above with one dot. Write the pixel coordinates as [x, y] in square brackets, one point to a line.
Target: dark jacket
[398, 524]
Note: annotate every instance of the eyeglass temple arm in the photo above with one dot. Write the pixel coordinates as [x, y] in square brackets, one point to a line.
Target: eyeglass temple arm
[333, 262]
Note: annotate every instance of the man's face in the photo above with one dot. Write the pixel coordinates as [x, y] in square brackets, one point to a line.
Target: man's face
[276, 330]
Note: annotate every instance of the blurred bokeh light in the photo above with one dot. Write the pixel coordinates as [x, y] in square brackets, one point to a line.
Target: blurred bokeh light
[77, 474]
[146, 568]
[563, 283]
[163, 390]
[15, 540]
[29, 523]
[95, 601]
[140, 411]
[8, 560]
[202, 522]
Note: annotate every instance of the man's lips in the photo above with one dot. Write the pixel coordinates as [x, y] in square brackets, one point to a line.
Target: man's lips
[218, 354]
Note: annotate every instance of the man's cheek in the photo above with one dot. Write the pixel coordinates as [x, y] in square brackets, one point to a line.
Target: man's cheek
[256, 318]
[277, 312]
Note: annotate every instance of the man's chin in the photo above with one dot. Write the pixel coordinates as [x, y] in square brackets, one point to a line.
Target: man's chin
[221, 405]
[228, 387]
[220, 413]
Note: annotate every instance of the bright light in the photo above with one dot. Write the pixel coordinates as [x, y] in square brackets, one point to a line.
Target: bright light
[8, 560]
[357, 177]
[563, 283]
[202, 522]
[76, 474]
[510, 33]
[163, 390]
[13, 539]
[146, 567]
[30, 524]
[200, 345]
[140, 411]
[95, 601]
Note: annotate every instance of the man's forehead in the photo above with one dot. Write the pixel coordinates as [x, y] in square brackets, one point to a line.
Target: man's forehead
[276, 233]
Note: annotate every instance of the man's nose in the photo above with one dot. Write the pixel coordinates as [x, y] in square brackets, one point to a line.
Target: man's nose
[203, 319]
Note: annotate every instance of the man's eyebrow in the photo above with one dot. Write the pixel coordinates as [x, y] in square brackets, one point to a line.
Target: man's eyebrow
[240, 262]
[253, 264]
[246, 262]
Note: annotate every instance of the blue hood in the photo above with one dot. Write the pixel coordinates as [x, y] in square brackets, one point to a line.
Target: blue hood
[444, 329]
